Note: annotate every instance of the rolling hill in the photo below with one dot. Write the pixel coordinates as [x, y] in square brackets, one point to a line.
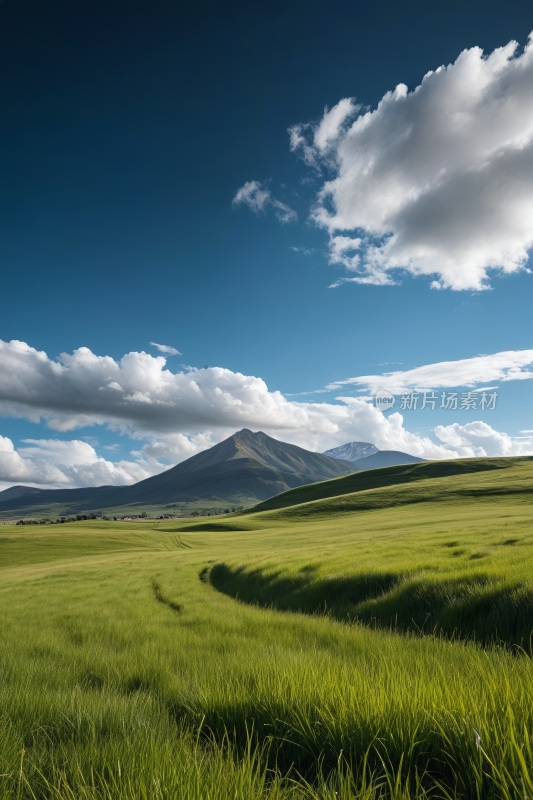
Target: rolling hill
[357, 486]
[243, 469]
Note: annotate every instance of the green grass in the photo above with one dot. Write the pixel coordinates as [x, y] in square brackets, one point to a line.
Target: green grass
[450, 555]
[387, 477]
[210, 659]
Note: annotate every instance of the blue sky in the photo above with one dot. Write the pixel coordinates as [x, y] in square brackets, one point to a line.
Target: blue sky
[128, 130]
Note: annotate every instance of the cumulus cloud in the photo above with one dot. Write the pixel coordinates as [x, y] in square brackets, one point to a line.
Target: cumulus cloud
[176, 447]
[176, 415]
[435, 181]
[479, 439]
[51, 463]
[166, 348]
[258, 197]
[510, 365]
[324, 134]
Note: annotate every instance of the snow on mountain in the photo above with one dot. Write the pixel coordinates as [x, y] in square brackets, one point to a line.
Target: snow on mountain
[352, 451]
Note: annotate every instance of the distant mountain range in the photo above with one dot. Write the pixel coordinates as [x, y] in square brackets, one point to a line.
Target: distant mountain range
[243, 469]
[386, 458]
[367, 456]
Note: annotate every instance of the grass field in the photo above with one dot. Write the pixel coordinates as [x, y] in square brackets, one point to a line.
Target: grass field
[370, 643]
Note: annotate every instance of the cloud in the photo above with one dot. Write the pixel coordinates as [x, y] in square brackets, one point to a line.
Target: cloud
[51, 463]
[479, 439]
[300, 394]
[509, 365]
[331, 124]
[177, 447]
[257, 197]
[67, 453]
[176, 415]
[166, 348]
[324, 134]
[304, 251]
[435, 181]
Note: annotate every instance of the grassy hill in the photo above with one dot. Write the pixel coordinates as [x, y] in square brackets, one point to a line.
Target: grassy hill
[242, 470]
[389, 476]
[437, 554]
[294, 652]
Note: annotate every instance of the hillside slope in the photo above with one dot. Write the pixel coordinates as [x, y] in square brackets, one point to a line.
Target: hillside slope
[386, 477]
[444, 554]
[17, 491]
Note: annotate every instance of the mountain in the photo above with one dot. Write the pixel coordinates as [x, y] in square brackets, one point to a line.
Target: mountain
[367, 456]
[17, 491]
[386, 458]
[352, 451]
[243, 469]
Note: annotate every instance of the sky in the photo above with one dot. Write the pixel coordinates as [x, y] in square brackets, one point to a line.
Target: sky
[216, 216]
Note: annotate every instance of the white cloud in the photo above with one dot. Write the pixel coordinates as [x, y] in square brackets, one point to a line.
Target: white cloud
[324, 134]
[510, 365]
[304, 251]
[179, 414]
[67, 453]
[340, 247]
[435, 181]
[15, 469]
[166, 348]
[257, 197]
[177, 447]
[51, 463]
[331, 124]
[479, 439]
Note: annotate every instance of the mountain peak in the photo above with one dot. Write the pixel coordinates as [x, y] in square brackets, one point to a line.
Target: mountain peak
[244, 468]
[352, 451]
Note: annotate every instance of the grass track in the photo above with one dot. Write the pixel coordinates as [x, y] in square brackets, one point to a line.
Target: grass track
[109, 690]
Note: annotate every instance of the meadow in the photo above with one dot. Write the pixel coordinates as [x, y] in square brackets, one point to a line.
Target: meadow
[359, 642]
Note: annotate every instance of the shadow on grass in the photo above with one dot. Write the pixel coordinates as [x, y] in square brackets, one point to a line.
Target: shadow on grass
[473, 607]
[213, 527]
[160, 597]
